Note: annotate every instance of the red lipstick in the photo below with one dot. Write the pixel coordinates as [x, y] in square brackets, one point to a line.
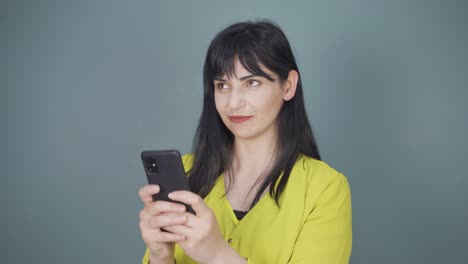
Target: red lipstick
[239, 119]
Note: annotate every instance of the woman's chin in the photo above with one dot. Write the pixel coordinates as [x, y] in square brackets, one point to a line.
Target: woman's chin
[243, 134]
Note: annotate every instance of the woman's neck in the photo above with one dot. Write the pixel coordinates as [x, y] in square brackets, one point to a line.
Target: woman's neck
[254, 155]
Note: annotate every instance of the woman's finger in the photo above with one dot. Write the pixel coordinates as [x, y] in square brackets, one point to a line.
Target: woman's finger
[146, 193]
[182, 230]
[164, 220]
[191, 220]
[159, 207]
[164, 237]
[192, 199]
[144, 215]
[157, 236]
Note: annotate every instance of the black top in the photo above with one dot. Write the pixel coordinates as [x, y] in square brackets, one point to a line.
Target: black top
[240, 214]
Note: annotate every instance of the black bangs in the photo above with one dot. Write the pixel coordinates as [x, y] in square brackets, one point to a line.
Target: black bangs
[226, 49]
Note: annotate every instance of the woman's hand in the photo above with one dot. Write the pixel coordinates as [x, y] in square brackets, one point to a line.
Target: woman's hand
[154, 216]
[204, 241]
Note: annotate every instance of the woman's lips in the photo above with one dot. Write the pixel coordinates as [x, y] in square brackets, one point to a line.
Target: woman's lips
[239, 119]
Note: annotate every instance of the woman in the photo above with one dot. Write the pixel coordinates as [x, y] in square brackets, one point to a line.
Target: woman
[259, 190]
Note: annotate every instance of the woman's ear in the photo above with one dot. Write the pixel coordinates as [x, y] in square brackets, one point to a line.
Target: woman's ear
[290, 85]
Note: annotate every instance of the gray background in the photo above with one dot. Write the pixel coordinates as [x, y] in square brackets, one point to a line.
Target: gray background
[86, 85]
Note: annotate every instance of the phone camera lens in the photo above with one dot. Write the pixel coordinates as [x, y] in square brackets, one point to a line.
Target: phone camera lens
[151, 165]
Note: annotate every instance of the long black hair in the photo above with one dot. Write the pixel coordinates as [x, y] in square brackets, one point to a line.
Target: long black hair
[253, 43]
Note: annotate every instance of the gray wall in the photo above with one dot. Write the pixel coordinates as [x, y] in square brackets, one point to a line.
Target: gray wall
[86, 85]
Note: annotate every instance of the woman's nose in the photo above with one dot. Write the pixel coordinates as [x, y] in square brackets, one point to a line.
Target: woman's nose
[236, 99]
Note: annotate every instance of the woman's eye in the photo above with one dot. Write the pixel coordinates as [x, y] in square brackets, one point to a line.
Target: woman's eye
[222, 86]
[253, 83]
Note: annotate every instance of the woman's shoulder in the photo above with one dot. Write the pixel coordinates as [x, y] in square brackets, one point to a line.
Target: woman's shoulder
[318, 183]
[307, 170]
[307, 167]
[315, 173]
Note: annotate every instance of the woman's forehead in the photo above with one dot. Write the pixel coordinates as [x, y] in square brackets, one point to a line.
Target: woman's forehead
[238, 71]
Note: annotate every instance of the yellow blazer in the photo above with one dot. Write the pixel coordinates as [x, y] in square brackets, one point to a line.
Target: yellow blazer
[312, 225]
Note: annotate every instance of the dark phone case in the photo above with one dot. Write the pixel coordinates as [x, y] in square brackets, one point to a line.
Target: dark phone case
[170, 175]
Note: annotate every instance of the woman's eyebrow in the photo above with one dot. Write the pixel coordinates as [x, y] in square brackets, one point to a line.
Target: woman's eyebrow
[240, 79]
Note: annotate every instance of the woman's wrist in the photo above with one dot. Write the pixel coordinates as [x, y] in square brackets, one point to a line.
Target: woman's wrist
[159, 260]
[227, 255]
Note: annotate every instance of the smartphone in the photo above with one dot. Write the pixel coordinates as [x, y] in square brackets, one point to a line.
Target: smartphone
[165, 168]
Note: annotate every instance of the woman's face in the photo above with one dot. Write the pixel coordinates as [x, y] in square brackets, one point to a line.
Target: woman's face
[248, 104]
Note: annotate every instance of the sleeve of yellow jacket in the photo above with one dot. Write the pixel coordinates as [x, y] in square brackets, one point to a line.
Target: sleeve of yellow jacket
[326, 236]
